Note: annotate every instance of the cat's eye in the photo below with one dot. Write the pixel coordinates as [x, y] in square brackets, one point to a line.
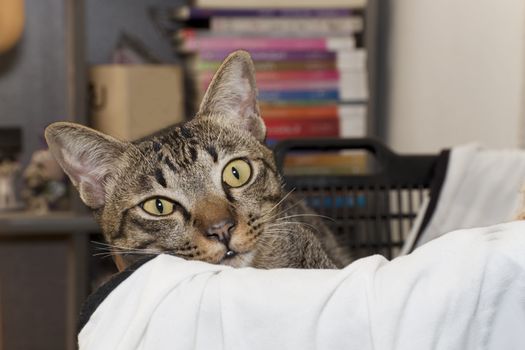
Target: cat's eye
[236, 173]
[158, 206]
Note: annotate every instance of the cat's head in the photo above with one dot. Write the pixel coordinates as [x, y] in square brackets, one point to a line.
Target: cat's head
[199, 190]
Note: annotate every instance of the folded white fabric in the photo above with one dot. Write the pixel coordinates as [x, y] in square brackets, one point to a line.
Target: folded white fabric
[482, 187]
[465, 290]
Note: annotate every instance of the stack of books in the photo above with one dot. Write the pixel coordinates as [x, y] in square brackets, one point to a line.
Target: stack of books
[310, 63]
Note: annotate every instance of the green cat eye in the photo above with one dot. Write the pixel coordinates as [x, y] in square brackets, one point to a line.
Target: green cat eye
[236, 173]
[158, 206]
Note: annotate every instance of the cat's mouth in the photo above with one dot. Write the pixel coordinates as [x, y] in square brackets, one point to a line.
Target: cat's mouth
[236, 259]
[230, 254]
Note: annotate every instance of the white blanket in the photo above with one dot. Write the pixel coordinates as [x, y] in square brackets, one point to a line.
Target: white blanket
[482, 187]
[465, 290]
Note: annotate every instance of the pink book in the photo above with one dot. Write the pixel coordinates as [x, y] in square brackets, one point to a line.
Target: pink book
[279, 76]
[221, 43]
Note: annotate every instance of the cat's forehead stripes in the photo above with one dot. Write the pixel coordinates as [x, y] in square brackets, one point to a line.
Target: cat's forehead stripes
[185, 132]
[156, 146]
[212, 151]
[159, 176]
[189, 151]
[177, 149]
[170, 165]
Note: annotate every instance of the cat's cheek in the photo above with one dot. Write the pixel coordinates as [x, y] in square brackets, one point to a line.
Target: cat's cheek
[213, 252]
[243, 239]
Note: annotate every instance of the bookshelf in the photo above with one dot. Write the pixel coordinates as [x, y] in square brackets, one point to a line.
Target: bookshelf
[311, 62]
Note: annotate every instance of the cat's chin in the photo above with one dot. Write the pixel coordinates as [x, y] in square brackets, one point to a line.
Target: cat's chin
[239, 260]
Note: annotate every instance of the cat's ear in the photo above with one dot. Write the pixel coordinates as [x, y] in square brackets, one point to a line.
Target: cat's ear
[233, 94]
[87, 156]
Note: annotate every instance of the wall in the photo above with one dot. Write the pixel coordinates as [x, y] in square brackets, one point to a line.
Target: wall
[105, 20]
[456, 74]
[33, 77]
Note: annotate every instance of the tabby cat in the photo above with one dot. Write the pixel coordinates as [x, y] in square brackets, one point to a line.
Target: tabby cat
[207, 189]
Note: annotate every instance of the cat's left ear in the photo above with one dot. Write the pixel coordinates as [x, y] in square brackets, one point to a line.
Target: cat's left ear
[233, 94]
[88, 157]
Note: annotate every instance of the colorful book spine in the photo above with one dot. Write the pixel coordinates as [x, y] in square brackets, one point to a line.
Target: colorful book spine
[194, 42]
[286, 85]
[278, 129]
[272, 4]
[326, 163]
[311, 76]
[275, 65]
[277, 56]
[333, 26]
[301, 112]
[299, 95]
[293, 85]
[295, 103]
[185, 12]
[351, 122]
[326, 75]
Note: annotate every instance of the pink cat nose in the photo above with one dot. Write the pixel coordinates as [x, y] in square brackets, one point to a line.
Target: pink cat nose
[221, 231]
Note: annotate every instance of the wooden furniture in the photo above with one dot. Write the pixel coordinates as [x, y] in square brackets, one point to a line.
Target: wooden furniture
[43, 278]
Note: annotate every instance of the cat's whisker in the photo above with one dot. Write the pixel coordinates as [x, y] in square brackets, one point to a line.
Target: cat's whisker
[307, 215]
[117, 249]
[276, 205]
[121, 252]
[284, 210]
[102, 244]
[267, 241]
[103, 249]
[114, 249]
[275, 234]
[107, 245]
[275, 229]
[147, 252]
[300, 223]
[282, 223]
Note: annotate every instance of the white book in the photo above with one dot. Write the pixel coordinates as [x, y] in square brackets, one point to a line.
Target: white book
[353, 85]
[247, 4]
[331, 26]
[351, 59]
[340, 44]
[352, 120]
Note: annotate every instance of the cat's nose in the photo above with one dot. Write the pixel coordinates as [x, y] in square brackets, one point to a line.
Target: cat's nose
[221, 231]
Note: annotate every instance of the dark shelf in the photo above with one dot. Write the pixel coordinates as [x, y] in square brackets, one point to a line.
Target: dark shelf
[51, 223]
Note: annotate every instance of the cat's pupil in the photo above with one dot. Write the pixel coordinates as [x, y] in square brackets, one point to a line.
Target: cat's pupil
[160, 207]
[235, 173]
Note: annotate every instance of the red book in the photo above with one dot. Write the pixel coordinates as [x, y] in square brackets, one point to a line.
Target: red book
[310, 112]
[278, 129]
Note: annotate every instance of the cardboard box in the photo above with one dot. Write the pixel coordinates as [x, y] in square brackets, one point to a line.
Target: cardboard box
[133, 101]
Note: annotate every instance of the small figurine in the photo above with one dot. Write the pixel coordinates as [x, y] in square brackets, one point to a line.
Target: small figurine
[44, 188]
[8, 169]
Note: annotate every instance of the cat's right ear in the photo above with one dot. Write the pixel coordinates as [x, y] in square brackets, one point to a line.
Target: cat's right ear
[232, 93]
[87, 156]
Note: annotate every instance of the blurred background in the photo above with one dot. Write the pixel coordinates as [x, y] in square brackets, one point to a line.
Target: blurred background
[418, 76]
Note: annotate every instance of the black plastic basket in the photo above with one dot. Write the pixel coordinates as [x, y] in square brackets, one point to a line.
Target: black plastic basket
[372, 212]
